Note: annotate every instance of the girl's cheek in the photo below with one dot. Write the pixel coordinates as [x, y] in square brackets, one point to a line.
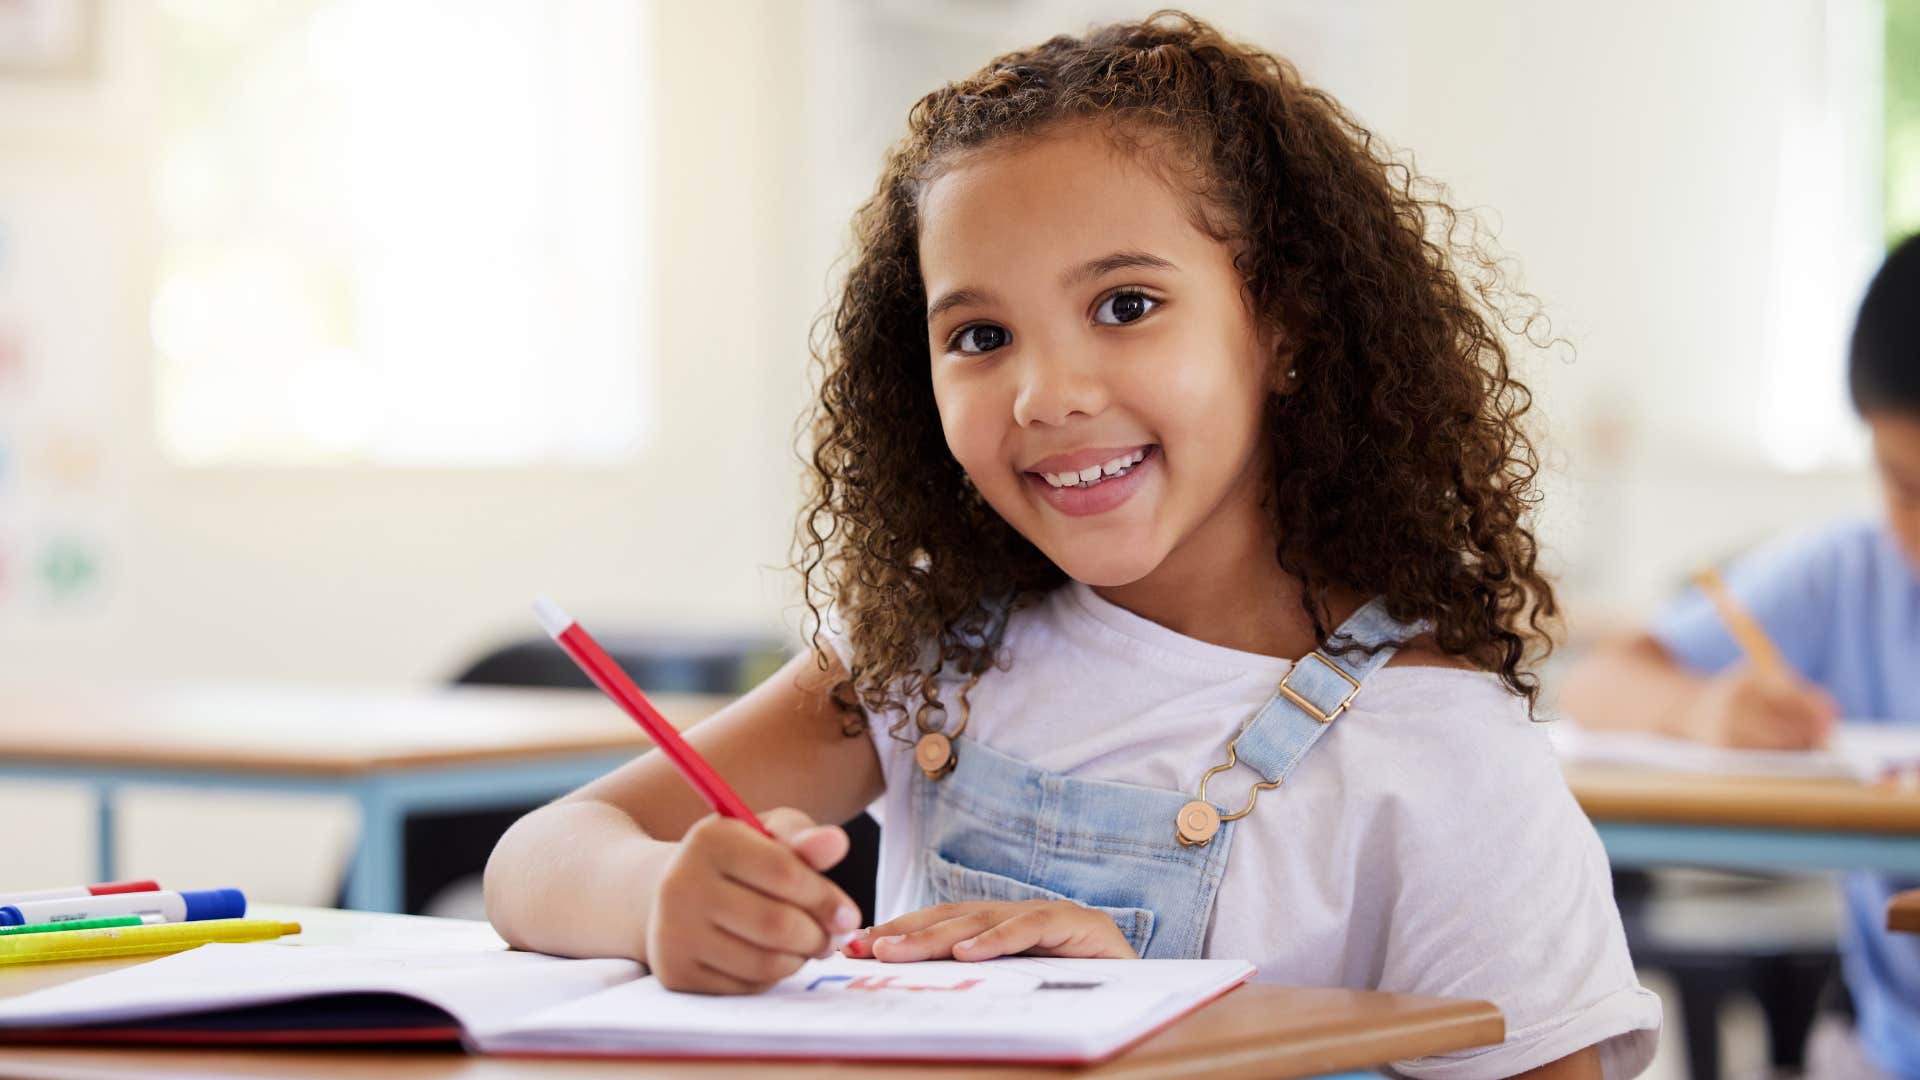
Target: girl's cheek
[973, 443]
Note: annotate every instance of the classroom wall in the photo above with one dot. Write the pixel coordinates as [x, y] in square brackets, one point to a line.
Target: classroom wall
[1632, 154]
[399, 575]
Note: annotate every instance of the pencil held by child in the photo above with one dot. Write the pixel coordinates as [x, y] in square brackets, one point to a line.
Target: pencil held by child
[1762, 703]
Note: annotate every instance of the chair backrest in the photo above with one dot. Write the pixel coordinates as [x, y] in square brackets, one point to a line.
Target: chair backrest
[660, 663]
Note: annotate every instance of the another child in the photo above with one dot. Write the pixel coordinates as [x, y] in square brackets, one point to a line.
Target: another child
[1843, 605]
[1157, 436]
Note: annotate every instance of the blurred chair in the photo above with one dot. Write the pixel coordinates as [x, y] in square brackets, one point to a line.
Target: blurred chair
[660, 663]
[445, 853]
[1717, 935]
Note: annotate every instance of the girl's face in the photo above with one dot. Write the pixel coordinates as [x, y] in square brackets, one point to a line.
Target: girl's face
[1097, 372]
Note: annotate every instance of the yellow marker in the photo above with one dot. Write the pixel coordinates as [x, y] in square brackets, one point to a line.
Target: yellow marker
[136, 940]
[1745, 628]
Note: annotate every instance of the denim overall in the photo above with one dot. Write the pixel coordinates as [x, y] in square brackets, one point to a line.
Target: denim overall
[999, 829]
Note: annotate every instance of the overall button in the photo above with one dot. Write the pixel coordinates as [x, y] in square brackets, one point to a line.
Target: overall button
[934, 754]
[1197, 822]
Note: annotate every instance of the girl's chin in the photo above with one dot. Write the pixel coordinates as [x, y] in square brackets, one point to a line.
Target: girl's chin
[1104, 569]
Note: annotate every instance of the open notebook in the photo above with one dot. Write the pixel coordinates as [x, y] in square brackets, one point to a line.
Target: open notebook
[1861, 750]
[1012, 1009]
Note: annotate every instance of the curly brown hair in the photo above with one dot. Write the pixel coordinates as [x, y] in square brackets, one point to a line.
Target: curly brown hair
[1399, 464]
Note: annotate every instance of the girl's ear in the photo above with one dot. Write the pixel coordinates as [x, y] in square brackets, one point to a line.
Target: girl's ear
[1286, 372]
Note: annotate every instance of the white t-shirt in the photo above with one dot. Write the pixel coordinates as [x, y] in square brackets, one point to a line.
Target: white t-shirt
[1426, 844]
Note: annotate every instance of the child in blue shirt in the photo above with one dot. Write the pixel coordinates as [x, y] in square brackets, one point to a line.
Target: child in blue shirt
[1843, 605]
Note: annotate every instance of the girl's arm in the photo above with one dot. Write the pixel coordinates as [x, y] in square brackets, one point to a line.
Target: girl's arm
[1582, 1065]
[580, 876]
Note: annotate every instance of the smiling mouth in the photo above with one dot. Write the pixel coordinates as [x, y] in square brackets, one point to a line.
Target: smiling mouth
[1094, 475]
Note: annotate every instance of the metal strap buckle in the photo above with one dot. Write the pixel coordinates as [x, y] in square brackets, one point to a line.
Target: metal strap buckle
[1313, 710]
[1198, 821]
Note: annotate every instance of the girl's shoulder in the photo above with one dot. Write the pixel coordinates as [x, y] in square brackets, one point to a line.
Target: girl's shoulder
[1453, 718]
[1436, 751]
[1422, 652]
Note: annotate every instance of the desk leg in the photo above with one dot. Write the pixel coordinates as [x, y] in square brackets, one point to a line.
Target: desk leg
[374, 881]
[106, 859]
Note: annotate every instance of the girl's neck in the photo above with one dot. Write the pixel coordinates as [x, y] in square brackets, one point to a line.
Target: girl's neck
[1224, 586]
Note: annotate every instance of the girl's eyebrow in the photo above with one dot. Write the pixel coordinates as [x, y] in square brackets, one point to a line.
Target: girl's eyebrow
[1086, 271]
[1107, 264]
[956, 298]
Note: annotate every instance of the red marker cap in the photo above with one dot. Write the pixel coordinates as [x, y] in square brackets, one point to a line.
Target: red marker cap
[111, 887]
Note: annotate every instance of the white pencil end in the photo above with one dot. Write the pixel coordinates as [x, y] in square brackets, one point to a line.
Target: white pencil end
[552, 619]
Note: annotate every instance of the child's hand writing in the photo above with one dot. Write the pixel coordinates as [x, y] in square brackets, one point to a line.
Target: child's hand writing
[984, 929]
[736, 912]
[1747, 707]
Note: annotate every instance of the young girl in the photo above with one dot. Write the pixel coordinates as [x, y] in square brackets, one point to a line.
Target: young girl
[1158, 447]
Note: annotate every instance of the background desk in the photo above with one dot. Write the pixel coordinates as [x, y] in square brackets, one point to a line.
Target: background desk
[1648, 817]
[396, 752]
[392, 752]
[1269, 1032]
[1903, 913]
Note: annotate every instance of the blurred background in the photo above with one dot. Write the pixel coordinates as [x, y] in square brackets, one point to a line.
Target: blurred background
[332, 331]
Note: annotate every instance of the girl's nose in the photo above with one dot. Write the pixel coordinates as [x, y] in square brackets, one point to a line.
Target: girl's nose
[1054, 389]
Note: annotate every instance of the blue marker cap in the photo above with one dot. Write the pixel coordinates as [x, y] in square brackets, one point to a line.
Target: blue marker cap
[214, 904]
[10, 916]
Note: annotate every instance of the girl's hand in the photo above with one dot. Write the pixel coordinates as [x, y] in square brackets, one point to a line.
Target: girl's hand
[984, 929]
[736, 912]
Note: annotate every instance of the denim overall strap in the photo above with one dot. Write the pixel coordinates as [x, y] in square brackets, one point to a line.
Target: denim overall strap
[1318, 688]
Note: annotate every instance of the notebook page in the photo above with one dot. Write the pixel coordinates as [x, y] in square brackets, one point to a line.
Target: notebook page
[1016, 1008]
[480, 989]
[1859, 750]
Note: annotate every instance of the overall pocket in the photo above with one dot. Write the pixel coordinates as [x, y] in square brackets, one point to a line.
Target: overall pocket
[951, 883]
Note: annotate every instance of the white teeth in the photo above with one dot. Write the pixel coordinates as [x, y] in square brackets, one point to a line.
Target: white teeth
[1093, 474]
[1120, 464]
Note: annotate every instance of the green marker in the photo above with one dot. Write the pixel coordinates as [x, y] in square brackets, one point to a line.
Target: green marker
[82, 924]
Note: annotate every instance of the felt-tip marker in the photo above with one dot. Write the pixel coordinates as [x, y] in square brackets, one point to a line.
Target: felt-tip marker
[193, 905]
[69, 892]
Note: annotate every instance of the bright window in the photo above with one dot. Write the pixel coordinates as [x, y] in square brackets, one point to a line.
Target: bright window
[402, 232]
[1902, 154]
[1825, 233]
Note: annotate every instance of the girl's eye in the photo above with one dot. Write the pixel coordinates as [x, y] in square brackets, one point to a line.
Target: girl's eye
[979, 338]
[1124, 307]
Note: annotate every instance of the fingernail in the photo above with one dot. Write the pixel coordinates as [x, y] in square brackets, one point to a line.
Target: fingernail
[847, 918]
[890, 939]
[967, 944]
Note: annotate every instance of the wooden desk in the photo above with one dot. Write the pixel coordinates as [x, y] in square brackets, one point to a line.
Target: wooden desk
[1903, 912]
[1262, 1031]
[393, 752]
[1648, 816]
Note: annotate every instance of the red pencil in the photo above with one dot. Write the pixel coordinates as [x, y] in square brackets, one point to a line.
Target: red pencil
[612, 681]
